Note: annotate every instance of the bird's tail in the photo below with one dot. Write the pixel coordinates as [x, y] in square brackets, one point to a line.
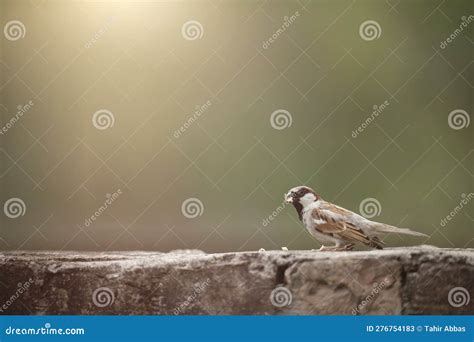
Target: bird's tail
[385, 228]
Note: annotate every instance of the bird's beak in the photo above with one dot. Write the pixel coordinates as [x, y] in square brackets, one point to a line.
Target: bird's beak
[288, 198]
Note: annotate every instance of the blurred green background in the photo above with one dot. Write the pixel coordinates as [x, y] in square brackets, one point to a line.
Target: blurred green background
[153, 65]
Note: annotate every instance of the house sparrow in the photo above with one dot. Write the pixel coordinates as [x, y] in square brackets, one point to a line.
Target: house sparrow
[333, 225]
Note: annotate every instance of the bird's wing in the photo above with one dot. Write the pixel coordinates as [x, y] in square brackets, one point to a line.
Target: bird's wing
[339, 223]
[340, 213]
[368, 227]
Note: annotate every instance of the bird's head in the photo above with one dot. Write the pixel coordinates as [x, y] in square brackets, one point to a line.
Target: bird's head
[301, 195]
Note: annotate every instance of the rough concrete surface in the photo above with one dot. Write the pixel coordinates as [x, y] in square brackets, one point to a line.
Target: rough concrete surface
[417, 280]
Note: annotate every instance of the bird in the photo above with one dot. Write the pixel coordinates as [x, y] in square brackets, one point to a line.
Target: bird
[338, 229]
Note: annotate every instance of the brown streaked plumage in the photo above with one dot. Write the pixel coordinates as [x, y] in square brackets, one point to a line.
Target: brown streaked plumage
[332, 224]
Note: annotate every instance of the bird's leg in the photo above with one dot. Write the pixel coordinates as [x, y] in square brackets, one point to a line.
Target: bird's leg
[344, 246]
[348, 247]
[327, 248]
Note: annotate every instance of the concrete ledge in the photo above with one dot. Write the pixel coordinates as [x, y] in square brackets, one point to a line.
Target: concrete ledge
[418, 280]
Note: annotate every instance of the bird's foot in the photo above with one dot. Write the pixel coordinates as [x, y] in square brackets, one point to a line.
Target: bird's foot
[348, 247]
